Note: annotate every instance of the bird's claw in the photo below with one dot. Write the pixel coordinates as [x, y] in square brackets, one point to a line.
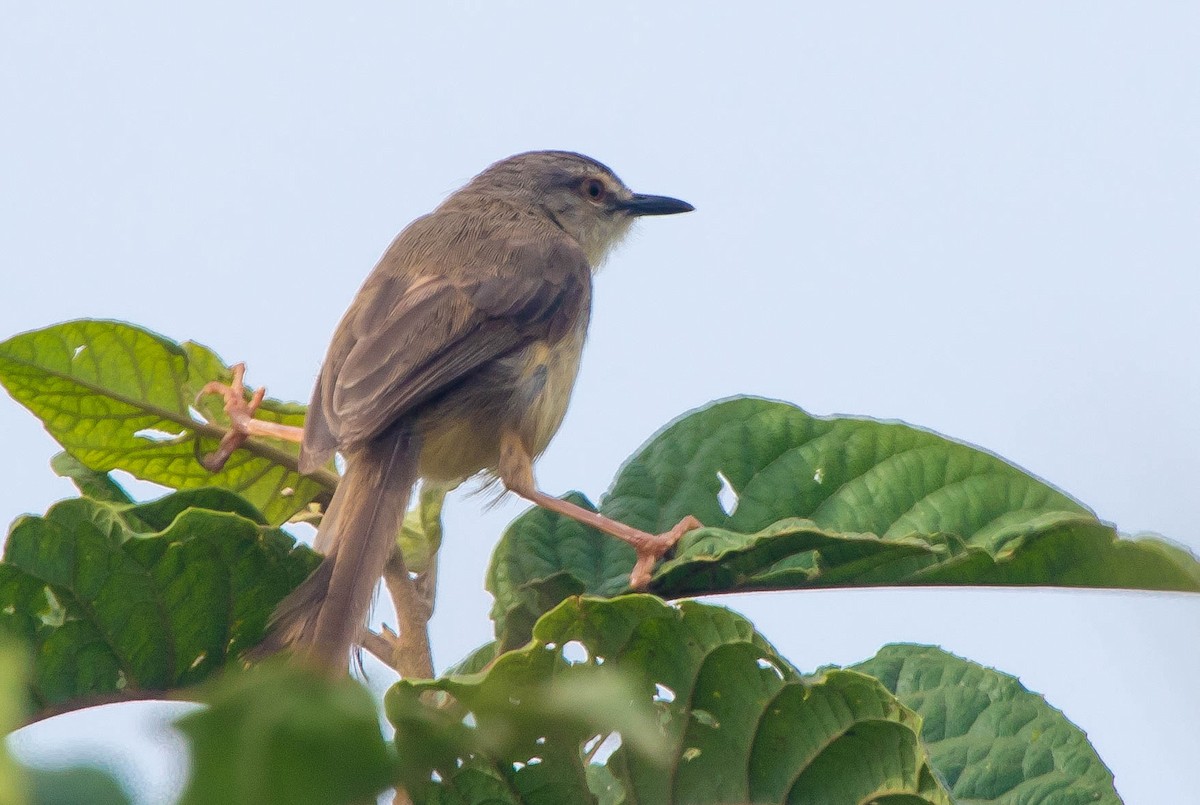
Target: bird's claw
[240, 412]
[649, 552]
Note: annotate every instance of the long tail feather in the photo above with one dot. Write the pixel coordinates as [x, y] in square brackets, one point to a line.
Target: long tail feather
[326, 614]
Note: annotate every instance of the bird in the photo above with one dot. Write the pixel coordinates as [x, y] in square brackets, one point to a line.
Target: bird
[457, 357]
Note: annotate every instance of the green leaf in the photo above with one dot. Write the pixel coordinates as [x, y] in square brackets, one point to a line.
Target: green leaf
[421, 535]
[845, 474]
[283, 733]
[1056, 549]
[542, 559]
[98, 485]
[474, 662]
[706, 710]
[821, 502]
[14, 699]
[990, 739]
[119, 397]
[152, 596]
[605, 785]
[73, 785]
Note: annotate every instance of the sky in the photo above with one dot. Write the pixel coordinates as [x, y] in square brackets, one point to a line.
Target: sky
[977, 218]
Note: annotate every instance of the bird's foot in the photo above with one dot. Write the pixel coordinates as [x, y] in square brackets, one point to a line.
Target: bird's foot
[240, 412]
[654, 547]
[242, 424]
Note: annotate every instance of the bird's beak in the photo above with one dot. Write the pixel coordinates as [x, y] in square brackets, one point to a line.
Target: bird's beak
[642, 204]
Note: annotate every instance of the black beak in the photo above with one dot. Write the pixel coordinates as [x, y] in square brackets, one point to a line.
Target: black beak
[642, 204]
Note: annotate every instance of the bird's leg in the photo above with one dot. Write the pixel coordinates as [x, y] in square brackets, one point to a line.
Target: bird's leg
[242, 423]
[516, 472]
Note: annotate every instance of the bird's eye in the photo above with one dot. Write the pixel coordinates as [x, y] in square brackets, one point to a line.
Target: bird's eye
[594, 189]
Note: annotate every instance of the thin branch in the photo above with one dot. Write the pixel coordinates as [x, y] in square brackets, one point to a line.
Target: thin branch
[381, 644]
[99, 699]
[411, 655]
[426, 584]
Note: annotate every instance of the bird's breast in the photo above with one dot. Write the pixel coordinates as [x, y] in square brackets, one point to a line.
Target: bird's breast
[548, 380]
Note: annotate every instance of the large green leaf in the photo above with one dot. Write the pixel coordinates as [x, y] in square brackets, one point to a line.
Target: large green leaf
[73, 785]
[541, 559]
[822, 502]
[153, 596]
[990, 739]
[844, 474]
[706, 710]
[1053, 549]
[283, 733]
[120, 397]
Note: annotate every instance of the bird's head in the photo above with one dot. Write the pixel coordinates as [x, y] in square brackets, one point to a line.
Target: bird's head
[578, 194]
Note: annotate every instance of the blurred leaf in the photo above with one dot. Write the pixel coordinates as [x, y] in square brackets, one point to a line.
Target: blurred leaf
[605, 785]
[706, 710]
[421, 536]
[14, 700]
[152, 596]
[21, 784]
[74, 785]
[990, 739]
[287, 734]
[821, 502]
[120, 397]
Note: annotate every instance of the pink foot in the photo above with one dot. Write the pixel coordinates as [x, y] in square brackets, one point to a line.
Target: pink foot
[649, 552]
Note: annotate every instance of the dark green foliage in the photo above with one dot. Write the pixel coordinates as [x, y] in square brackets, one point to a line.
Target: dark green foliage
[116, 597]
[113, 597]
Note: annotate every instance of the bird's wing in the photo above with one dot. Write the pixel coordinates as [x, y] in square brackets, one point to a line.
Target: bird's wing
[413, 334]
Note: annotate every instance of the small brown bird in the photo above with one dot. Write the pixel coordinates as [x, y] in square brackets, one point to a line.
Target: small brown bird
[458, 356]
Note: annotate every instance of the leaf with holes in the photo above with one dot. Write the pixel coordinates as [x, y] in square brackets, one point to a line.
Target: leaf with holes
[153, 596]
[988, 737]
[706, 712]
[120, 397]
[794, 501]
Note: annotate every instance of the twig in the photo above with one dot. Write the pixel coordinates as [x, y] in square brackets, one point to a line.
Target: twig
[381, 644]
[426, 584]
[410, 653]
[96, 700]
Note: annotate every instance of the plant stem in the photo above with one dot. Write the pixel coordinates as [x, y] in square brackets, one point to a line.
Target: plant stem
[410, 653]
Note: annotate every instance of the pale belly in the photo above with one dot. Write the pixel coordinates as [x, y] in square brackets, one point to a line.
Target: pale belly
[527, 392]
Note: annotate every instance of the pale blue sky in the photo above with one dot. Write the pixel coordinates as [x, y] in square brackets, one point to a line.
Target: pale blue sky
[981, 220]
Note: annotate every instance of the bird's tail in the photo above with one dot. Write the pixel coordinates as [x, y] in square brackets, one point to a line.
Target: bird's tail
[326, 614]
